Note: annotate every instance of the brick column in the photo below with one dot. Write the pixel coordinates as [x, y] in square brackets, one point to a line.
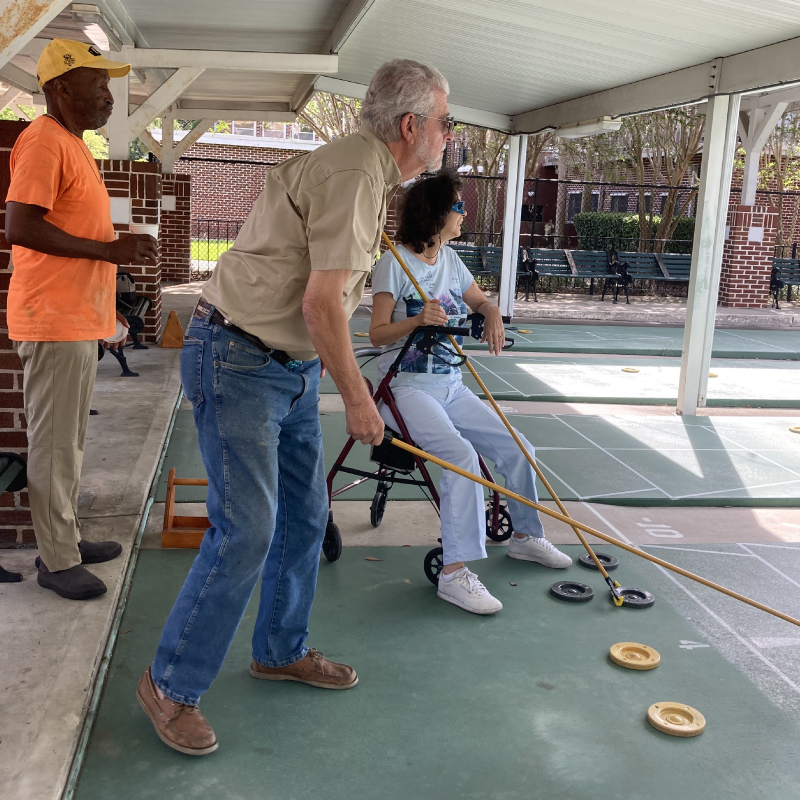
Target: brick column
[140, 182]
[747, 256]
[175, 234]
[16, 528]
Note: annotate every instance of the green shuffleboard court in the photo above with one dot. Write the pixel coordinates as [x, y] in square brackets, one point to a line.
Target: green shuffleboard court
[522, 704]
[626, 340]
[638, 461]
[601, 379]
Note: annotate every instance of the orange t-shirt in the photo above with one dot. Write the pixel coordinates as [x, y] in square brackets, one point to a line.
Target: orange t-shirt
[50, 298]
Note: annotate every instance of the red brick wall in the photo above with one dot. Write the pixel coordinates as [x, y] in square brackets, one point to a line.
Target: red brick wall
[141, 181]
[228, 190]
[746, 265]
[15, 517]
[175, 233]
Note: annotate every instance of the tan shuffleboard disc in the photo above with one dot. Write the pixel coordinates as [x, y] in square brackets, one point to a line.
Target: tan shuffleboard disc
[795, 429]
[676, 719]
[361, 333]
[629, 369]
[713, 375]
[634, 656]
[524, 330]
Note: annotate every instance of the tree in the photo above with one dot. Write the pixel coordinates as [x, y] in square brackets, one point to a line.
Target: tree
[331, 116]
[538, 145]
[487, 157]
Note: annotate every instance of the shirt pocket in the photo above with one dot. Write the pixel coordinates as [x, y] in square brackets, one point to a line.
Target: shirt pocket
[192, 370]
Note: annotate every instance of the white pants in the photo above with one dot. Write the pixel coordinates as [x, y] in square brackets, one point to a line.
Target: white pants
[452, 423]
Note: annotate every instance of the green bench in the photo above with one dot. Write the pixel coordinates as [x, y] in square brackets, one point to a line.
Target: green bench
[785, 274]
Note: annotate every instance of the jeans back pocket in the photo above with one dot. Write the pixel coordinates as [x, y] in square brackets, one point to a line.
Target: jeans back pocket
[192, 370]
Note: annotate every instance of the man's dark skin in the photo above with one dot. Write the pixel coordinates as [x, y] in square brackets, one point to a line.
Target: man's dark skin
[80, 100]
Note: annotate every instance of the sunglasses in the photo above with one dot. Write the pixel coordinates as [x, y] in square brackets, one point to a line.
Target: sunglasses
[459, 207]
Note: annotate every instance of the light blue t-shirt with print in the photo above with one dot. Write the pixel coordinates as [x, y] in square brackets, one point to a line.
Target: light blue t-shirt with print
[446, 281]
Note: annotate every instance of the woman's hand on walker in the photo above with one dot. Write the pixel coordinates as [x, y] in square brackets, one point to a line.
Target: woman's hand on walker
[493, 330]
[432, 314]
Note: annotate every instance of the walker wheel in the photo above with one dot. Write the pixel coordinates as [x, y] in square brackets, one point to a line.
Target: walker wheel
[377, 508]
[504, 527]
[332, 543]
[433, 564]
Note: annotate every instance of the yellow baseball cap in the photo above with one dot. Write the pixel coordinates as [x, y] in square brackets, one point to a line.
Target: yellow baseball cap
[63, 55]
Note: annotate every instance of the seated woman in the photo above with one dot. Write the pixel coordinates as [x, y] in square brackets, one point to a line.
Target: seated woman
[442, 415]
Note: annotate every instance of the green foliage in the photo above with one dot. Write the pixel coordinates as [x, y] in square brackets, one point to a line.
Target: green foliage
[97, 144]
[209, 249]
[7, 113]
[599, 230]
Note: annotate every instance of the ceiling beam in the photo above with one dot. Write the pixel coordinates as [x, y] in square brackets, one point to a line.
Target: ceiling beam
[470, 116]
[764, 100]
[235, 114]
[165, 95]
[341, 32]
[19, 78]
[22, 20]
[8, 97]
[194, 134]
[763, 68]
[222, 59]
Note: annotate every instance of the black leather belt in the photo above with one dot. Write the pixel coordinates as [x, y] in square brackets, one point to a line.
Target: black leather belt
[281, 356]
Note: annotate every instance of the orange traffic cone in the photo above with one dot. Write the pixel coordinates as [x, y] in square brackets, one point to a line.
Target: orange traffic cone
[173, 332]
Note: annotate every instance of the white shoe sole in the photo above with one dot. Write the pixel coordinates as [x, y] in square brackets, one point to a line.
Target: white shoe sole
[521, 557]
[484, 613]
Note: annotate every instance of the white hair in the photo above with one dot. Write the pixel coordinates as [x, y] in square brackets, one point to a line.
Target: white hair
[400, 87]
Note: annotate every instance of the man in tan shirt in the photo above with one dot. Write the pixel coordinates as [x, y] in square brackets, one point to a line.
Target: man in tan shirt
[277, 305]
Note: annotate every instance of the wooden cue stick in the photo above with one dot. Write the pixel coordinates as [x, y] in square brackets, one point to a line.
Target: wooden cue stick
[611, 582]
[564, 518]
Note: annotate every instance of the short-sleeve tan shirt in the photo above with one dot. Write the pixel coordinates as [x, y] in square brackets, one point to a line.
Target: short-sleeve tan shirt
[321, 210]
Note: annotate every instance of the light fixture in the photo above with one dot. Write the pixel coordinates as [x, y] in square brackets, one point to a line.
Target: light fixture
[591, 127]
[96, 27]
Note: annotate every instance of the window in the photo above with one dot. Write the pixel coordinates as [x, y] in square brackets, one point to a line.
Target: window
[244, 128]
[575, 202]
[619, 203]
[531, 214]
[647, 201]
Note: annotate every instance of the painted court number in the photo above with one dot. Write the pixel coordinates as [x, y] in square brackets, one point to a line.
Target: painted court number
[659, 531]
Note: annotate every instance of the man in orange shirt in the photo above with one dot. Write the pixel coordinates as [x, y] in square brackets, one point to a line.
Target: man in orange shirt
[61, 299]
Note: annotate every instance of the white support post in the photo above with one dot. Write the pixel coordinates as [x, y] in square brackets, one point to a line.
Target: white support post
[517, 154]
[118, 141]
[755, 126]
[167, 142]
[709, 237]
[8, 97]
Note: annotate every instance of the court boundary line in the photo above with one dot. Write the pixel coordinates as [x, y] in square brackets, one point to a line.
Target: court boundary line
[771, 566]
[691, 550]
[741, 639]
[740, 489]
[611, 455]
[754, 452]
[777, 546]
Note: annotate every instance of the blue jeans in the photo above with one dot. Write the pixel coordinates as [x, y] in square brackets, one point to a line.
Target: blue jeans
[261, 442]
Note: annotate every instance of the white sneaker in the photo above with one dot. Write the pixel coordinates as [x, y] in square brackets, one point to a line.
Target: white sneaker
[539, 550]
[467, 592]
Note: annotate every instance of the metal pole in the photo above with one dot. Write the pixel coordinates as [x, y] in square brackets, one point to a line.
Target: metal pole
[117, 125]
[709, 237]
[517, 153]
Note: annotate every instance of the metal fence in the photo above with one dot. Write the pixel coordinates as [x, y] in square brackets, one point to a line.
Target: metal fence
[209, 239]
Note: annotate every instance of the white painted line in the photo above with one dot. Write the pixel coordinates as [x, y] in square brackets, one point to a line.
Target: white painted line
[611, 455]
[617, 494]
[483, 366]
[748, 339]
[770, 642]
[558, 478]
[771, 566]
[693, 550]
[777, 546]
[754, 452]
[736, 489]
[789, 682]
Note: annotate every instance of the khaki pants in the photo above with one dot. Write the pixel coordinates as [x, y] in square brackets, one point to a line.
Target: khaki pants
[58, 382]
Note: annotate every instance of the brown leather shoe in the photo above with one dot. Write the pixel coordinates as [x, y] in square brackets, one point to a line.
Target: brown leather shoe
[181, 727]
[314, 669]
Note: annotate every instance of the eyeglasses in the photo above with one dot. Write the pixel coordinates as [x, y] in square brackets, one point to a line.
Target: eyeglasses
[459, 207]
[449, 122]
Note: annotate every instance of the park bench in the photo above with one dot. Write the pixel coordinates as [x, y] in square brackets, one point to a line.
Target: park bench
[596, 265]
[486, 262]
[676, 267]
[785, 274]
[13, 478]
[546, 263]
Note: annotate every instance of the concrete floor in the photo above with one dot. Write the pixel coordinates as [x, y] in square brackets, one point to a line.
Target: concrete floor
[52, 647]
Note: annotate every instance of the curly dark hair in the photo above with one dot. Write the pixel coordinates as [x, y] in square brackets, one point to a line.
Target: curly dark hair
[425, 206]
